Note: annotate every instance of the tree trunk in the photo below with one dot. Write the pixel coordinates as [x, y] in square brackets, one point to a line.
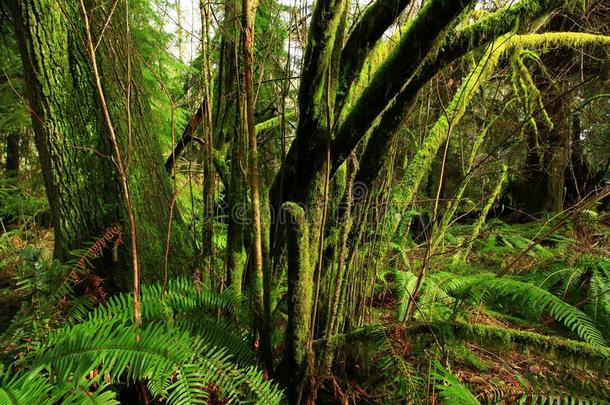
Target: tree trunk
[180, 32]
[261, 280]
[209, 174]
[300, 289]
[580, 178]
[12, 154]
[541, 187]
[73, 141]
[230, 118]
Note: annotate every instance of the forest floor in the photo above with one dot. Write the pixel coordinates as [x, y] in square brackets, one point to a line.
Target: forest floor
[497, 351]
[491, 349]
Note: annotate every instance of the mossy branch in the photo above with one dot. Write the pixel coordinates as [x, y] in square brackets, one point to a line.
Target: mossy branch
[300, 296]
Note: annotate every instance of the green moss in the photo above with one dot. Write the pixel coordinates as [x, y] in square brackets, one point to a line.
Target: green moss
[300, 290]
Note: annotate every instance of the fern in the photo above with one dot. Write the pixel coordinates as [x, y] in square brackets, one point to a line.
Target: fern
[24, 388]
[450, 388]
[178, 366]
[584, 283]
[405, 285]
[182, 353]
[538, 389]
[181, 297]
[526, 296]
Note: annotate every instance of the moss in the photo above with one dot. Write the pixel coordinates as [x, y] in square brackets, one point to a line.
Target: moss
[300, 292]
[465, 356]
[582, 354]
[549, 40]
[323, 30]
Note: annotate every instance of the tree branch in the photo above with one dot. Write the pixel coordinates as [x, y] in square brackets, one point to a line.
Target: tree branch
[456, 45]
[422, 36]
[187, 137]
[376, 20]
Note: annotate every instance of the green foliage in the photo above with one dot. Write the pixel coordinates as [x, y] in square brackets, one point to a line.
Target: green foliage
[405, 285]
[450, 389]
[196, 344]
[526, 298]
[35, 288]
[14, 115]
[585, 283]
[18, 205]
[178, 365]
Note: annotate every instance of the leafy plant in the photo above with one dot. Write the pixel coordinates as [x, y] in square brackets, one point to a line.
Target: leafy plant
[522, 297]
[168, 354]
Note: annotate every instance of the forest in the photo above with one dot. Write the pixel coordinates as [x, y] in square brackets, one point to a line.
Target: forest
[304, 202]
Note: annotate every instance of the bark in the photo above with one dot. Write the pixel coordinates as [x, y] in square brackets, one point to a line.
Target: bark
[12, 153]
[72, 137]
[261, 285]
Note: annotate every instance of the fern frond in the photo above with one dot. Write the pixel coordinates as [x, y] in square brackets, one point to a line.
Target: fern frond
[524, 295]
[450, 388]
[25, 388]
[405, 284]
[181, 297]
[178, 365]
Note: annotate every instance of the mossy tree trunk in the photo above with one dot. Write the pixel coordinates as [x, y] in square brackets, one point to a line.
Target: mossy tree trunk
[300, 290]
[72, 140]
[334, 119]
[230, 117]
